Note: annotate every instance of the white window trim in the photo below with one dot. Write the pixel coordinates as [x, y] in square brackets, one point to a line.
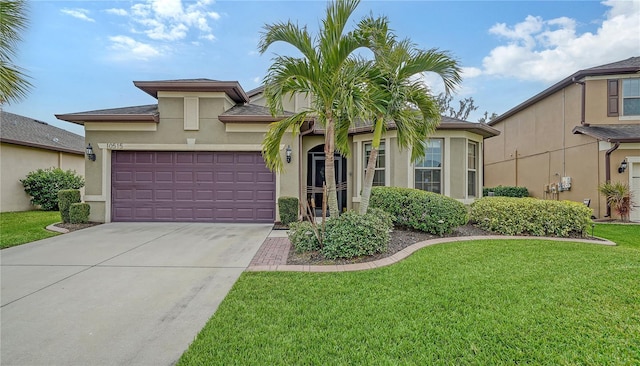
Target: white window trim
[445, 175]
[476, 169]
[622, 116]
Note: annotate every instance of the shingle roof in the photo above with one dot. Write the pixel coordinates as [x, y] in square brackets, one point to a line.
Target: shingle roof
[628, 66]
[251, 113]
[20, 130]
[611, 133]
[142, 112]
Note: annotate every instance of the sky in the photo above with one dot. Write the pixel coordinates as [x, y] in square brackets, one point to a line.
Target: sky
[85, 55]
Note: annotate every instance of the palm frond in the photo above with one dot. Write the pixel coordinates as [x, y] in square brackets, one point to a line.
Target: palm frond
[271, 142]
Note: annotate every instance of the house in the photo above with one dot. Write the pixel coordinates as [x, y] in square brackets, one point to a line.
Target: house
[573, 136]
[27, 145]
[196, 156]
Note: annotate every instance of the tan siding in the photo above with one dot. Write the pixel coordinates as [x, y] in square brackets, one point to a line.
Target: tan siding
[457, 168]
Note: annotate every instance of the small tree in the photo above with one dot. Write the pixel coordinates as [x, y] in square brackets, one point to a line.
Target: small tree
[619, 197]
[43, 186]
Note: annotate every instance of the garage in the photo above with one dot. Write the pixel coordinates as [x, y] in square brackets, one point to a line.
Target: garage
[188, 186]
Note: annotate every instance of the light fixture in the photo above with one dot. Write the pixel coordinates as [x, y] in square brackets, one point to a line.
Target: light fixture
[623, 166]
[89, 151]
[288, 151]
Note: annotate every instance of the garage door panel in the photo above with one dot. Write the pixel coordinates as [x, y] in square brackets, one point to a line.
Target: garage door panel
[192, 186]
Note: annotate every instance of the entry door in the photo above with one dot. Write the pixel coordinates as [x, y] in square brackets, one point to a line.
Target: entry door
[635, 189]
[318, 179]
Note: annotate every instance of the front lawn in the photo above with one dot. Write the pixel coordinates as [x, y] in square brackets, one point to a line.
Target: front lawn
[23, 227]
[481, 302]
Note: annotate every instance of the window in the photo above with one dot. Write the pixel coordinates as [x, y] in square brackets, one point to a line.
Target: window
[631, 97]
[472, 169]
[378, 175]
[428, 170]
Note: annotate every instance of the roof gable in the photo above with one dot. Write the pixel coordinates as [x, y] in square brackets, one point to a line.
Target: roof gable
[231, 88]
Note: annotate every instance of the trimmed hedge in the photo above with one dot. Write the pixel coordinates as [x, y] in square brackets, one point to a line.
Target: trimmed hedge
[420, 210]
[65, 198]
[288, 208]
[43, 186]
[354, 235]
[506, 191]
[531, 216]
[79, 213]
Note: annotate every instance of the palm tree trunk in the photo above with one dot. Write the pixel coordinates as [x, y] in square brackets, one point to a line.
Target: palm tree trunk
[329, 167]
[368, 180]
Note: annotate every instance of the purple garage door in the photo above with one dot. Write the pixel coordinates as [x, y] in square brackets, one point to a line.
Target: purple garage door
[191, 186]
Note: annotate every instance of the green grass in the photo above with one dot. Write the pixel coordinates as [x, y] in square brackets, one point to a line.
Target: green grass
[481, 302]
[23, 227]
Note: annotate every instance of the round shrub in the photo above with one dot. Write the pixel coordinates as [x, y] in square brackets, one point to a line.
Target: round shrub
[303, 237]
[43, 186]
[531, 216]
[353, 235]
[79, 213]
[66, 197]
[420, 210]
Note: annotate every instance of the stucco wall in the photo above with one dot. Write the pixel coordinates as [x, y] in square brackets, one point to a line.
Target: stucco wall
[18, 161]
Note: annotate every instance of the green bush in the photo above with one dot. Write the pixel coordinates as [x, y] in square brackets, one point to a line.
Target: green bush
[43, 186]
[65, 198]
[353, 235]
[79, 213]
[420, 210]
[531, 216]
[288, 208]
[303, 237]
[506, 191]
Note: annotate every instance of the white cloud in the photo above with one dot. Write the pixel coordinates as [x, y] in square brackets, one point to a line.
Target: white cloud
[129, 49]
[548, 50]
[82, 14]
[170, 20]
[114, 11]
[257, 80]
[470, 72]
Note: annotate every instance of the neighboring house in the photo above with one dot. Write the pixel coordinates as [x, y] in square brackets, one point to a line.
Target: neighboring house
[570, 138]
[196, 156]
[27, 145]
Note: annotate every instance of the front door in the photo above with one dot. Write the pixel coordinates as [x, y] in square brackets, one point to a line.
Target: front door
[316, 179]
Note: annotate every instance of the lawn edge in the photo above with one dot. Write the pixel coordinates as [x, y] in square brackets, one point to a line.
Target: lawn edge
[406, 252]
[56, 229]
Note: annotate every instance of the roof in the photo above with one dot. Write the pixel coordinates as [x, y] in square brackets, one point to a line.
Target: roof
[611, 133]
[232, 88]
[446, 123]
[628, 66]
[251, 113]
[25, 131]
[142, 113]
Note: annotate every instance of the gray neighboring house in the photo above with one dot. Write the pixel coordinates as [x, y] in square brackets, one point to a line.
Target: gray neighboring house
[26, 145]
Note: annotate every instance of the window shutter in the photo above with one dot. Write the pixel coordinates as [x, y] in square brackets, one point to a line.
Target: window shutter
[612, 98]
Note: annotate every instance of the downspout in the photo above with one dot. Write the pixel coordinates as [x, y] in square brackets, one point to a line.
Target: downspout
[583, 101]
[303, 207]
[607, 170]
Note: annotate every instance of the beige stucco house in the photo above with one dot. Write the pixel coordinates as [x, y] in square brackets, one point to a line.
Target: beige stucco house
[570, 138]
[27, 145]
[196, 156]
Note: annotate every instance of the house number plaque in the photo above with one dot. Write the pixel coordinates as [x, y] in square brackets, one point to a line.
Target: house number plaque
[115, 145]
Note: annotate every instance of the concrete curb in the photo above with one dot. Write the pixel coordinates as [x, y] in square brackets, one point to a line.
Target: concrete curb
[56, 229]
[406, 252]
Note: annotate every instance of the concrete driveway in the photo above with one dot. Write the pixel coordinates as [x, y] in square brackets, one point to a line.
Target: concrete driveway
[119, 293]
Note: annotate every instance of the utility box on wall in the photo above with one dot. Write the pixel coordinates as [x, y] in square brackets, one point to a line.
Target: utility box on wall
[565, 184]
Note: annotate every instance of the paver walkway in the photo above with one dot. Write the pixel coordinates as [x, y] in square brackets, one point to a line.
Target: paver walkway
[272, 256]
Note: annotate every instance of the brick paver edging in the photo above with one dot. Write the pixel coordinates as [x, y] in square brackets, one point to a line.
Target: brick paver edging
[404, 253]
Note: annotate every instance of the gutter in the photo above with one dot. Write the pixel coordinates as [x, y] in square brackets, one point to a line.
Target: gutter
[583, 101]
[607, 170]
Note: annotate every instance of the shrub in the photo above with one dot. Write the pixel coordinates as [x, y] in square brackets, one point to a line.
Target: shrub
[619, 197]
[302, 237]
[65, 198]
[43, 186]
[420, 210]
[353, 235]
[531, 216]
[79, 213]
[288, 208]
[506, 191]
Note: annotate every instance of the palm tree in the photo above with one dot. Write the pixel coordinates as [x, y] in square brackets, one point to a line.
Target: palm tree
[327, 73]
[395, 94]
[13, 21]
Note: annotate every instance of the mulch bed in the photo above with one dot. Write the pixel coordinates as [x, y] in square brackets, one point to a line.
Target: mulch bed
[74, 227]
[400, 239]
